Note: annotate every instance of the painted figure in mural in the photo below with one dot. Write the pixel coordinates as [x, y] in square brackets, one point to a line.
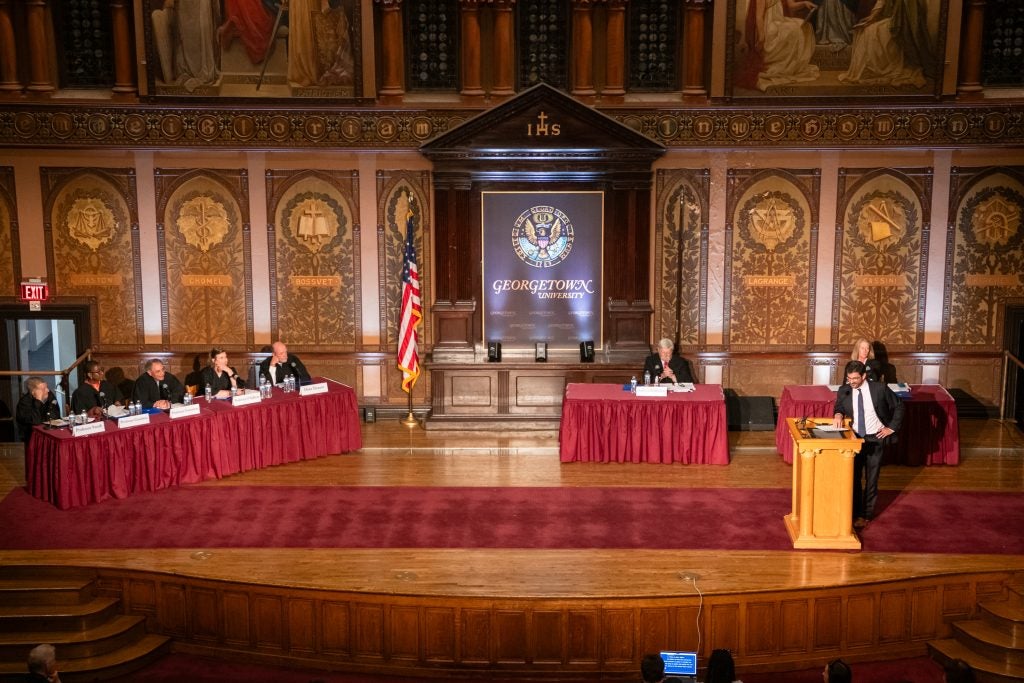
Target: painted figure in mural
[319, 44]
[891, 46]
[780, 44]
[252, 22]
[185, 37]
[833, 23]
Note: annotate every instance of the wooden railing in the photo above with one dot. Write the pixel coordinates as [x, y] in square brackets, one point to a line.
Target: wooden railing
[1007, 359]
[64, 374]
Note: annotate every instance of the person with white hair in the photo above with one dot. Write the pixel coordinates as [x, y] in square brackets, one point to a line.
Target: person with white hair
[666, 366]
[36, 406]
[42, 665]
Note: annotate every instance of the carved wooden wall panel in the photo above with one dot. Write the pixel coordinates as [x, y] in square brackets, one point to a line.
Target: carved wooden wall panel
[10, 244]
[315, 274]
[205, 257]
[771, 242]
[92, 238]
[681, 256]
[398, 194]
[882, 234]
[984, 255]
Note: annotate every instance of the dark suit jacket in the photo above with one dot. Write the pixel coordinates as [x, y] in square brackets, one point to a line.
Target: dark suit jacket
[148, 392]
[300, 372]
[678, 365]
[208, 376]
[888, 405]
[31, 412]
[87, 398]
[874, 371]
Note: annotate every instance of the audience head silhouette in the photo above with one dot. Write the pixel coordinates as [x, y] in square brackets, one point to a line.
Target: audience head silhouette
[958, 671]
[42, 664]
[652, 669]
[838, 671]
[721, 668]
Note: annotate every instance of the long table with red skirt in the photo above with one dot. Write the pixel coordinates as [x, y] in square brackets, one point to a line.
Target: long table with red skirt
[70, 471]
[930, 434]
[606, 423]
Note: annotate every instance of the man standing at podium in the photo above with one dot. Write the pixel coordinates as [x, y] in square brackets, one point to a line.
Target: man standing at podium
[877, 414]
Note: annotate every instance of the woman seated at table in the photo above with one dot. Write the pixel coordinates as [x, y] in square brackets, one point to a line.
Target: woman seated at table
[865, 353]
[219, 376]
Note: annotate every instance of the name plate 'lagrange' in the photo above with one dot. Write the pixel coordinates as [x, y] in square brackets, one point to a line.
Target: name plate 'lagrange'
[133, 421]
[246, 398]
[91, 428]
[311, 389]
[184, 411]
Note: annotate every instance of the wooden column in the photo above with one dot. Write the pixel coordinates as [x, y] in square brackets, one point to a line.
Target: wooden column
[124, 82]
[471, 64]
[392, 52]
[504, 48]
[8, 51]
[969, 78]
[693, 48]
[38, 48]
[583, 47]
[615, 50]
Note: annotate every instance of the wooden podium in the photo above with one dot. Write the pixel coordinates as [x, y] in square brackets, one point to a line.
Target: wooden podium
[822, 515]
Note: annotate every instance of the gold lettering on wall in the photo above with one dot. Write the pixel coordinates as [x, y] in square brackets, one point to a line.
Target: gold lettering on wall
[987, 280]
[865, 280]
[328, 281]
[206, 280]
[95, 279]
[542, 128]
[769, 280]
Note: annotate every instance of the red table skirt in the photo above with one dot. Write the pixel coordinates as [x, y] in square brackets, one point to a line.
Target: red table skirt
[930, 434]
[604, 423]
[221, 440]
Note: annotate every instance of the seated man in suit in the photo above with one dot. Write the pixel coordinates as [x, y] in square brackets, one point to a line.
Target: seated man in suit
[35, 407]
[666, 366]
[157, 388]
[281, 364]
[877, 414]
[95, 393]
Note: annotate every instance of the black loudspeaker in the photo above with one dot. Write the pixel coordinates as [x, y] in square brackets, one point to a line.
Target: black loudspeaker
[541, 352]
[587, 351]
[749, 413]
[493, 352]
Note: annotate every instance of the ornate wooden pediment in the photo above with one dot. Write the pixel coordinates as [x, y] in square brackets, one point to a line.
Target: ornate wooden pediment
[543, 130]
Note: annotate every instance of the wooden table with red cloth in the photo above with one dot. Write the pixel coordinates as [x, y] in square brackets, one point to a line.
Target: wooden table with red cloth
[70, 471]
[930, 434]
[606, 423]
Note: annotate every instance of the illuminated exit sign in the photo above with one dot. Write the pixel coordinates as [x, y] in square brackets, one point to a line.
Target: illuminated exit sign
[34, 291]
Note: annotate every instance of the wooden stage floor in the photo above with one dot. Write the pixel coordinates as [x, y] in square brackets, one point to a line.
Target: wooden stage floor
[992, 459]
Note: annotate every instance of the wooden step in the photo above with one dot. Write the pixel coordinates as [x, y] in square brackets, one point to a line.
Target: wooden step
[985, 670]
[990, 641]
[45, 590]
[105, 666]
[21, 618]
[1003, 616]
[31, 571]
[1015, 596]
[120, 631]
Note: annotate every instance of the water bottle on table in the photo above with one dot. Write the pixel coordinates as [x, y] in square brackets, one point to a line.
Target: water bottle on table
[632, 384]
[647, 379]
[208, 393]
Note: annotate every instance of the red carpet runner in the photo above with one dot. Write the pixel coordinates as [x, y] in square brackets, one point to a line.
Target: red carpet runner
[564, 518]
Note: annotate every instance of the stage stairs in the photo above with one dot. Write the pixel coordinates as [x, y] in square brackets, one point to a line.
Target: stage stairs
[994, 644]
[59, 606]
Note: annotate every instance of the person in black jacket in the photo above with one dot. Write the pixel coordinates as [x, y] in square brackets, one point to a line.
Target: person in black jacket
[281, 364]
[157, 388]
[95, 394]
[666, 366]
[42, 664]
[877, 414]
[35, 407]
[220, 376]
[864, 351]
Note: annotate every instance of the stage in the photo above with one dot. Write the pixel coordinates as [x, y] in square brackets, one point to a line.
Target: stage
[554, 612]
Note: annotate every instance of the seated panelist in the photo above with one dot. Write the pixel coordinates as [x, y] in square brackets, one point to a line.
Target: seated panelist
[666, 366]
[96, 393]
[36, 406]
[864, 352]
[157, 388]
[282, 364]
[221, 377]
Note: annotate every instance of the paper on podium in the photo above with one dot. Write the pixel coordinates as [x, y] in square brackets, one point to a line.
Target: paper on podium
[684, 387]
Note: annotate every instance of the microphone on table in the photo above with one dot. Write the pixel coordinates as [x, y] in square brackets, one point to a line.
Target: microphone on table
[163, 391]
[103, 400]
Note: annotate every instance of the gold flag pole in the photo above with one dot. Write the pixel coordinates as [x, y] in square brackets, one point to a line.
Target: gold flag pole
[410, 419]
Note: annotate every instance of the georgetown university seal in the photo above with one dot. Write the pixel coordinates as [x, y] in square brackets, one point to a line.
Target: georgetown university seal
[542, 236]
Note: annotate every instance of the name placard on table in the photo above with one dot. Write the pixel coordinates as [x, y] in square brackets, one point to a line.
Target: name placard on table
[311, 389]
[245, 399]
[90, 428]
[133, 421]
[654, 390]
[184, 411]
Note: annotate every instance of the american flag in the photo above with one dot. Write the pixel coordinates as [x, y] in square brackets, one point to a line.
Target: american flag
[412, 311]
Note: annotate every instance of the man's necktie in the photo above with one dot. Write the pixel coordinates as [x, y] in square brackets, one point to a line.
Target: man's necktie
[861, 422]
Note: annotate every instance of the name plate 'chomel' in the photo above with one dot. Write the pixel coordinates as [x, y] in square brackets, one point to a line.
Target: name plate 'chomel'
[184, 411]
[245, 399]
[311, 389]
[91, 428]
[133, 421]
